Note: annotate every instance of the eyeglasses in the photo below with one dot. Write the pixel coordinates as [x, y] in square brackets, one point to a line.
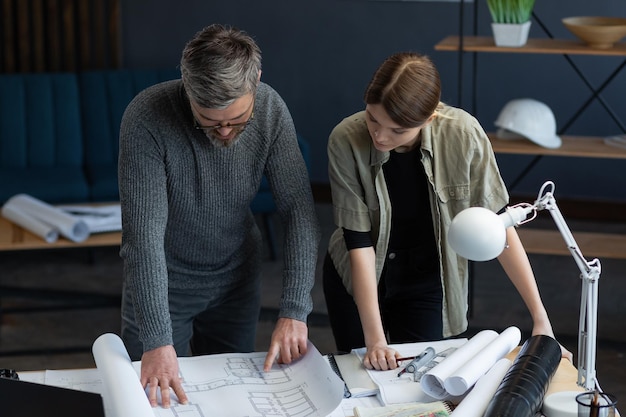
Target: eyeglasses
[235, 127]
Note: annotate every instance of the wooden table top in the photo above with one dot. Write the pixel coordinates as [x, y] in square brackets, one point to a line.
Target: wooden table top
[14, 237]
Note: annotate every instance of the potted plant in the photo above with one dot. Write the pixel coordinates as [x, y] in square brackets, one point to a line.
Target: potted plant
[511, 21]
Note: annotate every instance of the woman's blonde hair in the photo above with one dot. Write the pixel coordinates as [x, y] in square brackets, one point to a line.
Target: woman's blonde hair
[408, 87]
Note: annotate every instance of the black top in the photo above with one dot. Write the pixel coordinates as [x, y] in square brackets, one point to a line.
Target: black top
[411, 220]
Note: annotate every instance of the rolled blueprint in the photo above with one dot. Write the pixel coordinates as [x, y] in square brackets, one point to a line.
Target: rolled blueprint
[34, 213]
[433, 380]
[475, 402]
[41, 229]
[123, 393]
[467, 375]
[521, 392]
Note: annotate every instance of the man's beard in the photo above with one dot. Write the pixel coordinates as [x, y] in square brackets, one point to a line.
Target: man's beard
[222, 144]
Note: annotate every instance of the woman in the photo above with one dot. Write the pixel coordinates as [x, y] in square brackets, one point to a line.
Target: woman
[399, 172]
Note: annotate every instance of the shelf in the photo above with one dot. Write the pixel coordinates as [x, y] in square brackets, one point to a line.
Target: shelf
[547, 242]
[592, 245]
[533, 46]
[578, 146]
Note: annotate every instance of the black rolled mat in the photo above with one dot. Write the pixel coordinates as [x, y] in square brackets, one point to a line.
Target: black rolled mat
[521, 392]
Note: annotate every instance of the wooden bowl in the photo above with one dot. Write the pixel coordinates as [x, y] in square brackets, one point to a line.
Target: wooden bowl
[597, 32]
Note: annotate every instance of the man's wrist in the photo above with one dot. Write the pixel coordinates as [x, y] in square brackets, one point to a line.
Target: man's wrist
[157, 342]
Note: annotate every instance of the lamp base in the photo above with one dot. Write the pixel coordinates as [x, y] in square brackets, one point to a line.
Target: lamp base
[561, 404]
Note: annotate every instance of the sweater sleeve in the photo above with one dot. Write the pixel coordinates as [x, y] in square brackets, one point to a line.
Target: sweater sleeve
[288, 178]
[142, 184]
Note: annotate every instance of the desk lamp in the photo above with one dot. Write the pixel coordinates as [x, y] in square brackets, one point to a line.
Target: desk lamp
[479, 234]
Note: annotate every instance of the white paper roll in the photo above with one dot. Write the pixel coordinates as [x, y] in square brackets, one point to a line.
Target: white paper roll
[476, 401]
[123, 393]
[433, 380]
[65, 224]
[466, 376]
[46, 232]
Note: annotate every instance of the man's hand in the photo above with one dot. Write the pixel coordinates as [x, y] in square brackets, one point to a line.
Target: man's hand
[159, 369]
[289, 342]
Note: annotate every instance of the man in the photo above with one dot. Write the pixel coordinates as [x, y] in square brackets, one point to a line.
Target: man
[192, 155]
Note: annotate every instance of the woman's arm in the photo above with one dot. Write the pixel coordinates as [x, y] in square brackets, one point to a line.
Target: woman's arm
[365, 290]
[515, 263]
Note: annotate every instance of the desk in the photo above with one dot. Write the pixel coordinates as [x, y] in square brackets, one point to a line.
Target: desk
[563, 380]
[16, 238]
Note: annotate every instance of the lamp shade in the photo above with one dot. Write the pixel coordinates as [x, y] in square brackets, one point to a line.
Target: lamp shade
[477, 234]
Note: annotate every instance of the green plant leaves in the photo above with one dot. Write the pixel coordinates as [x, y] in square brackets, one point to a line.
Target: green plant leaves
[510, 11]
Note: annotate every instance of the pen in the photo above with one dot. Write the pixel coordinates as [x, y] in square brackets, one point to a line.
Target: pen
[406, 358]
[402, 371]
[419, 361]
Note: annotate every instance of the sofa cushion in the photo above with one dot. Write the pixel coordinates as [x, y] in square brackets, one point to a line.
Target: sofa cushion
[41, 148]
[52, 185]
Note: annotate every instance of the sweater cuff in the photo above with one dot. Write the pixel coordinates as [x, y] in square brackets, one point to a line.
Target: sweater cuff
[157, 342]
[296, 304]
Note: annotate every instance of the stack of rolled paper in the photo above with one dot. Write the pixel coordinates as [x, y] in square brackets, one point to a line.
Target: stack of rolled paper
[44, 220]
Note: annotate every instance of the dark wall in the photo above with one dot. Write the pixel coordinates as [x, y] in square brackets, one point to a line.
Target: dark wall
[319, 55]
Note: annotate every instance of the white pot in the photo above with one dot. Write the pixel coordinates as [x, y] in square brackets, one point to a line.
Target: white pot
[510, 34]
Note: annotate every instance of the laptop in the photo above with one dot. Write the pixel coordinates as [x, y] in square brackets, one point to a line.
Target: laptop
[30, 399]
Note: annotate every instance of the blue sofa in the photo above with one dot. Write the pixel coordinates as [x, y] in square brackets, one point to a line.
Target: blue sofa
[41, 146]
[59, 136]
[59, 132]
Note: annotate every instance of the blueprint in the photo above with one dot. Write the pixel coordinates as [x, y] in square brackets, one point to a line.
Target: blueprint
[222, 385]
[237, 382]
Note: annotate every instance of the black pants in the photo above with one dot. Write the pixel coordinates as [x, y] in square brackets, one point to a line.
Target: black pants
[409, 297]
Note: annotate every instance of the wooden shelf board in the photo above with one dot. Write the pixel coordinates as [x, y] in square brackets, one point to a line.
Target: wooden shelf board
[547, 242]
[533, 46]
[579, 146]
[592, 245]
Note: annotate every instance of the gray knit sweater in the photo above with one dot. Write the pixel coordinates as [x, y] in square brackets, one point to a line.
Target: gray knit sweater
[187, 223]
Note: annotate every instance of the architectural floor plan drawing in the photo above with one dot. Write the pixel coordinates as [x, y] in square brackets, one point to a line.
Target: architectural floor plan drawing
[86, 380]
[223, 385]
[213, 381]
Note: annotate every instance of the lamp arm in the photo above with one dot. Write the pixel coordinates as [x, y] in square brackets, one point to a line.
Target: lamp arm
[589, 274]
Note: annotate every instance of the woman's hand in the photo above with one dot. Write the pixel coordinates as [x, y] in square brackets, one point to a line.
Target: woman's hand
[544, 327]
[566, 353]
[381, 357]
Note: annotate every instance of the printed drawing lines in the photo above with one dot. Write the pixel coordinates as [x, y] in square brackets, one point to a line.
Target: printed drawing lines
[238, 371]
[187, 410]
[292, 402]
[265, 394]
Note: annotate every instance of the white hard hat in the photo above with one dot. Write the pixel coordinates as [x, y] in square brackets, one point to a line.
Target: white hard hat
[528, 118]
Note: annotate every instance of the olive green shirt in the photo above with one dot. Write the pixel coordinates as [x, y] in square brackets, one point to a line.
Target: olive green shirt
[462, 172]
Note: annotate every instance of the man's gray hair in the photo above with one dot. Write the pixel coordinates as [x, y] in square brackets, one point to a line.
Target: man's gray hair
[219, 65]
